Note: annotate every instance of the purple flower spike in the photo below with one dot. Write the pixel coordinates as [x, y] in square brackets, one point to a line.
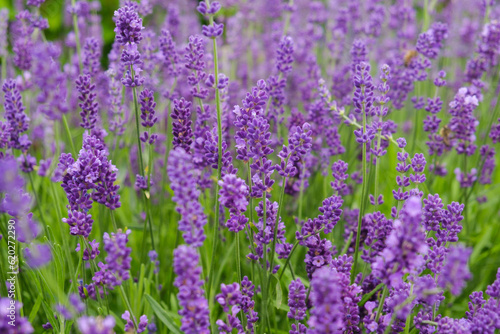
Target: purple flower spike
[327, 312]
[148, 105]
[363, 94]
[87, 102]
[405, 246]
[92, 325]
[194, 306]
[117, 267]
[181, 127]
[38, 255]
[128, 26]
[297, 300]
[233, 195]
[183, 178]
[91, 56]
[455, 271]
[16, 117]
[8, 309]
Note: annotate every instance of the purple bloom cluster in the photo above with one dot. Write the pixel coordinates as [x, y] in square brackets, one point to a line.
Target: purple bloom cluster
[181, 126]
[17, 120]
[88, 104]
[11, 320]
[194, 306]
[326, 298]
[183, 177]
[90, 178]
[117, 267]
[297, 300]
[233, 195]
[405, 246]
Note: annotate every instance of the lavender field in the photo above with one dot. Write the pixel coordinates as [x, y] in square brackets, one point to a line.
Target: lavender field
[250, 166]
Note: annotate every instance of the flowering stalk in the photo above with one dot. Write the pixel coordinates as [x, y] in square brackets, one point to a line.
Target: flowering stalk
[213, 31]
[363, 86]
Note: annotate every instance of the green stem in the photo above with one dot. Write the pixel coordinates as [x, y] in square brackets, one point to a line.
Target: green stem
[238, 256]
[219, 165]
[280, 203]
[409, 317]
[70, 138]
[362, 209]
[385, 292]
[139, 146]
[293, 250]
[141, 169]
[63, 236]
[113, 219]
[264, 271]
[127, 303]
[38, 204]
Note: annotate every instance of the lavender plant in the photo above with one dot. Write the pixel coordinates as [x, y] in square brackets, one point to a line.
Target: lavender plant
[249, 167]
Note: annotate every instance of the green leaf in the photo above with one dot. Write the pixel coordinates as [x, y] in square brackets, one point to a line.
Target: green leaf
[279, 294]
[35, 309]
[162, 315]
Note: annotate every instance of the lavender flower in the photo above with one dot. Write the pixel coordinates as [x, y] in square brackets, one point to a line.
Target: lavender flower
[169, 52]
[88, 104]
[92, 325]
[117, 267]
[326, 314]
[90, 178]
[18, 324]
[15, 116]
[4, 21]
[455, 271]
[297, 300]
[94, 250]
[300, 143]
[194, 58]
[38, 255]
[183, 182]
[128, 26]
[23, 44]
[194, 306]
[405, 246]
[91, 57]
[181, 127]
[233, 195]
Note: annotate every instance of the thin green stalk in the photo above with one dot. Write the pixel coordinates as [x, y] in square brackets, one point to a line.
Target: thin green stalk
[280, 203]
[63, 235]
[141, 169]
[377, 169]
[409, 317]
[293, 250]
[219, 164]
[38, 204]
[301, 198]
[238, 256]
[363, 195]
[385, 292]
[127, 303]
[136, 110]
[70, 138]
[113, 219]
[264, 272]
